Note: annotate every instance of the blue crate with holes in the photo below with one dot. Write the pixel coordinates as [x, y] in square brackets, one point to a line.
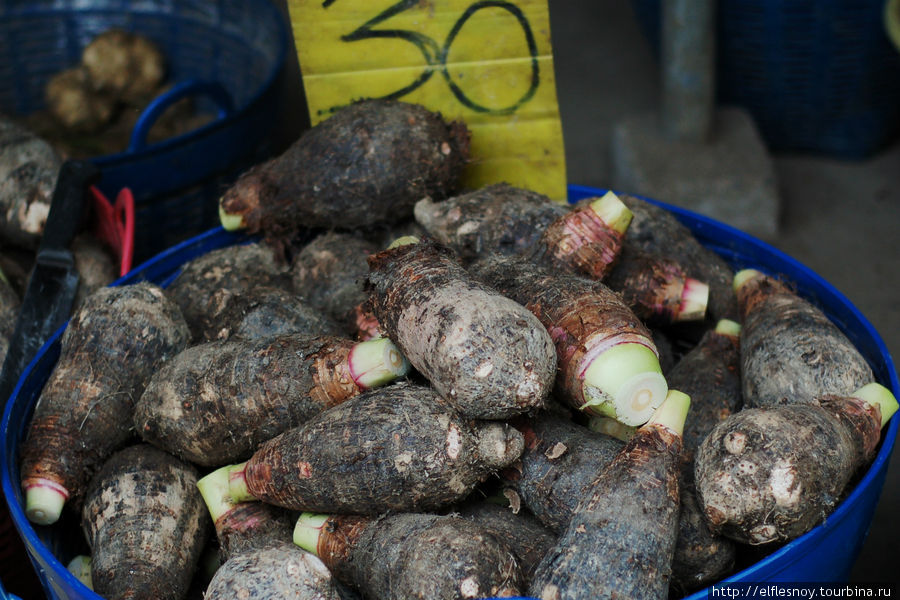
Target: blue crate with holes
[227, 56]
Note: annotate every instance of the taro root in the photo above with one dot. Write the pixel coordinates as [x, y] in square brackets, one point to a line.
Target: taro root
[214, 403]
[74, 102]
[398, 448]
[95, 265]
[366, 165]
[412, 556]
[112, 345]
[485, 353]
[620, 539]
[773, 473]
[127, 66]
[146, 524]
[790, 350]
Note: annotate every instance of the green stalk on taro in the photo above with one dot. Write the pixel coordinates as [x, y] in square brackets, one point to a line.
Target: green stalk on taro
[411, 556]
[607, 362]
[397, 448]
[773, 473]
[620, 540]
[214, 403]
[485, 353]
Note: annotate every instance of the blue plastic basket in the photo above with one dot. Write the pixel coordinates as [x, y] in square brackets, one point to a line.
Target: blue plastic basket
[817, 76]
[824, 554]
[229, 55]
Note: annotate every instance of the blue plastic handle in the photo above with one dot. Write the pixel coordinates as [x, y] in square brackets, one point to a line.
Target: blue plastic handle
[192, 87]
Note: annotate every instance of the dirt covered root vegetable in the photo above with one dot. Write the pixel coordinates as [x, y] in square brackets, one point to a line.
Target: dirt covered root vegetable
[75, 104]
[29, 167]
[10, 303]
[365, 165]
[95, 265]
[273, 573]
[526, 536]
[772, 474]
[607, 362]
[112, 345]
[487, 354]
[657, 289]
[620, 540]
[400, 447]
[241, 526]
[790, 350]
[498, 218]
[411, 556]
[146, 525]
[198, 287]
[128, 66]
[330, 271]
[263, 311]
[656, 230]
[214, 403]
[710, 373]
[560, 460]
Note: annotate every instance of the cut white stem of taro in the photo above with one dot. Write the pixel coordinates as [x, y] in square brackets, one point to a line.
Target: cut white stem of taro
[625, 383]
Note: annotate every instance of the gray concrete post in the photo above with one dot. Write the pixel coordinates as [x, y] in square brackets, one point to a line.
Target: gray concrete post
[688, 69]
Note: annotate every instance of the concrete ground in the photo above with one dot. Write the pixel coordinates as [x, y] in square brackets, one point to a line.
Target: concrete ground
[839, 218]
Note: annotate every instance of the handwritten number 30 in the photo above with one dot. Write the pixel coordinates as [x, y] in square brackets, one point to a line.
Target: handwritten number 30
[436, 57]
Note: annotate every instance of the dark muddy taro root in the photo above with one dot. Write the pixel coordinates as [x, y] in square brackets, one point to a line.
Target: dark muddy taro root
[273, 573]
[95, 264]
[111, 347]
[498, 218]
[560, 460]
[29, 167]
[526, 536]
[241, 526]
[771, 474]
[620, 540]
[607, 362]
[412, 556]
[657, 289]
[485, 353]
[367, 164]
[656, 230]
[10, 303]
[400, 447]
[146, 525]
[790, 350]
[214, 403]
[329, 273]
[262, 312]
[198, 287]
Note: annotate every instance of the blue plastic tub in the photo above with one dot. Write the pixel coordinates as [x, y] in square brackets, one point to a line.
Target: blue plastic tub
[825, 554]
[228, 55]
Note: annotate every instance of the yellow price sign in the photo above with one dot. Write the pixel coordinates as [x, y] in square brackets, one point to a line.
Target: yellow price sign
[488, 63]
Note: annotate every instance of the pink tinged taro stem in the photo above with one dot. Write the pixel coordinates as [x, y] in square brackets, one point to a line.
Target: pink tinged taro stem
[44, 500]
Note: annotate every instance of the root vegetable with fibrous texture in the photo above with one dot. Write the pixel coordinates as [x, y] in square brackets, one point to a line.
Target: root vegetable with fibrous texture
[146, 524]
[620, 540]
[561, 458]
[365, 165]
[485, 353]
[263, 311]
[10, 303]
[498, 218]
[607, 360]
[330, 271]
[95, 265]
[656, 230]
[657, 289]
[125, 65]
[399, 448]
[112, 345]
[74, 102]
[214, 403]
[198, 287]
[526, 536]
[273, 573]
[710, 374]
[790, 350]
[771, 474]
[412, 556]
[29, 167]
